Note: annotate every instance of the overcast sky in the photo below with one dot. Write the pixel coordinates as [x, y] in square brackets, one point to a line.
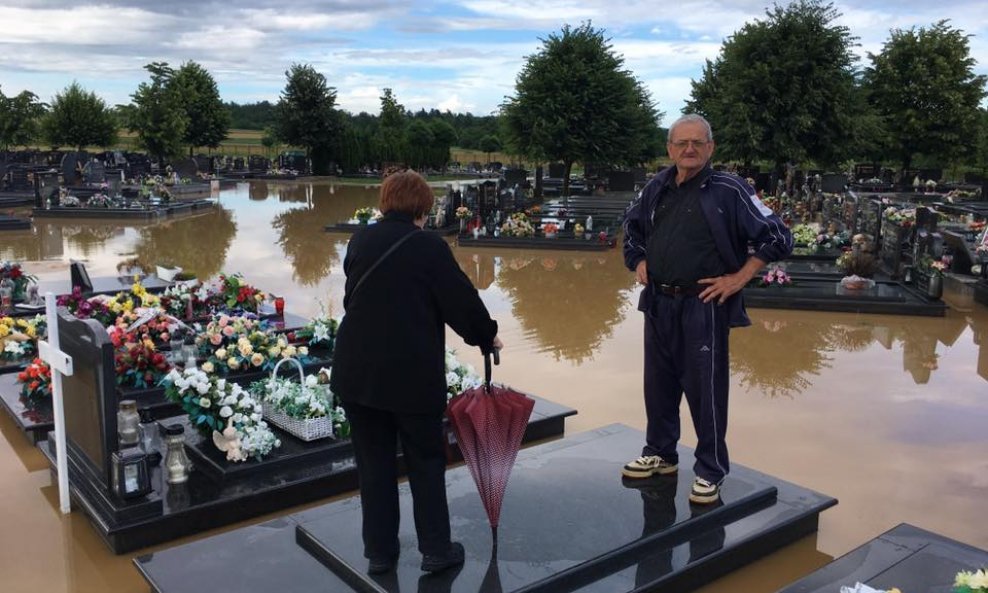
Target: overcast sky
[461, 55]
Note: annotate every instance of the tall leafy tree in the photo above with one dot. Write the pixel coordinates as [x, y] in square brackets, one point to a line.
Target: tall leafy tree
[306, 115]
[20, 116]
[79, 118]
[575, 102]
[782, 89]
[157, 114]
[390, 140]
[443, 138]
[490, 144]
[923, 84]
[208, 118]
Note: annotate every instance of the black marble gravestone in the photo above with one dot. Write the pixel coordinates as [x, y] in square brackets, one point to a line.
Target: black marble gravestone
[93, 171]
[833, 183]
[46, 188]
[621, 181]
[258, 163]
[186, 168]
[514, 177]
[90, 395]
[557, 170]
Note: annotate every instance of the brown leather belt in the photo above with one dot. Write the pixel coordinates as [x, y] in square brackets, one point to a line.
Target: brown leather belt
[672, 290]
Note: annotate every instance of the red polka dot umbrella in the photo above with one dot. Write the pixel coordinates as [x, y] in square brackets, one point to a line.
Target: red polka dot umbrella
[489, 423]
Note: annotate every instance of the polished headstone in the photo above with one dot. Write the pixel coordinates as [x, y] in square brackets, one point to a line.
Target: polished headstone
[906, 557]
[568, 521]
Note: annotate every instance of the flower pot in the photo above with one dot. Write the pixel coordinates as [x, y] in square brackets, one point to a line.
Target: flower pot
[550, 235]
[935, 288]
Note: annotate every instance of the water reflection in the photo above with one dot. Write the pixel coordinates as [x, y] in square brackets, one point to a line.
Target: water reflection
[566, 303]
[301, 236]
[783, 352]
[198, 244]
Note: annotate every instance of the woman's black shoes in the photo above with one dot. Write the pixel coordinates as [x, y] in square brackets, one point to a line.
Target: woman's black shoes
[440, 562]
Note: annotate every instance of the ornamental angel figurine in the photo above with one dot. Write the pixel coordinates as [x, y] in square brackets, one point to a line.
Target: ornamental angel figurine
[229, 442]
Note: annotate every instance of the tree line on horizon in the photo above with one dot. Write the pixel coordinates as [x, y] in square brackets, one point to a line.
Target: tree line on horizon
[784, 89]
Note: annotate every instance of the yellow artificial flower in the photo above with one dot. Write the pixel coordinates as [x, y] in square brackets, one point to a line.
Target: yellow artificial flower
[4, 330]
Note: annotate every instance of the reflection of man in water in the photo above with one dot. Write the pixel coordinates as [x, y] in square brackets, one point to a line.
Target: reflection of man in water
[659, 513]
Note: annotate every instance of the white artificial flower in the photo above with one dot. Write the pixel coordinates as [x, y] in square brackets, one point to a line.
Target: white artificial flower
[226, 412]
[204, 402]
[311, 381]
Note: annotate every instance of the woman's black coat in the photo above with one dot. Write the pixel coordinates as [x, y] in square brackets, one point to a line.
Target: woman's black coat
[390, 346]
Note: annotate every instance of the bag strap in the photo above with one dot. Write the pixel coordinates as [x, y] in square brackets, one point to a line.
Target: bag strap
[381, 259]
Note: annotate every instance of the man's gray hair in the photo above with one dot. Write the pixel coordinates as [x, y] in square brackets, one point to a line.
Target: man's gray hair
[693, 118]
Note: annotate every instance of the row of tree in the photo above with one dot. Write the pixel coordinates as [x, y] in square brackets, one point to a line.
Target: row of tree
[784, 89]
[787, 89]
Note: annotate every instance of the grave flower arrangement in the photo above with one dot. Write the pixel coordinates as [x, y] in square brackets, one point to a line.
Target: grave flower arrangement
[310, 400]
[224, 410]
[242, 343]
[124, 302]
[99, 200]
[18, 336]
[967, 581]
[463, 212]
[550, 229]
[233, 293]
[804, 234]
[904, 217]
[137, 361]
[15, 273]
[187, 300]
[459, 376]
[35, 381]
[318, 333]
[517, 225]
[158, 329]
[84, 308]
[776, 276]
[365, 214]
[578, 230]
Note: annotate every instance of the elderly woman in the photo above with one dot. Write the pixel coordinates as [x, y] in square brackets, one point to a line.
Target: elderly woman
[402, 288]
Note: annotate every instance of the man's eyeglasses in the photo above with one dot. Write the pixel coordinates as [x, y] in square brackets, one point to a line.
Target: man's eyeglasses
[697, 144]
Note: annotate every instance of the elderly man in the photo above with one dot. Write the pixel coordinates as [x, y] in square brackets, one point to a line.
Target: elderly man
[694, 238]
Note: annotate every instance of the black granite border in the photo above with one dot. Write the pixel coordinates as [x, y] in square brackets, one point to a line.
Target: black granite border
[557, 244]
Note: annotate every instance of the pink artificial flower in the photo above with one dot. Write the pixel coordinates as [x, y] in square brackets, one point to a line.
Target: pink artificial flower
[223, 320]
[228, 331]
[215, 339]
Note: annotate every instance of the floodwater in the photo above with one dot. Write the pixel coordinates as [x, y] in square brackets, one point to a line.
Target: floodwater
[888, 414]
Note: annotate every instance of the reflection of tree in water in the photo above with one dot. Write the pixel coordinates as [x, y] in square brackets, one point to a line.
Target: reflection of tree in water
[89, 237]
[777, 356]
[21, 246]
[258, 191]
[305, 243]
[569, 303]
[850, 338]
[198, 244]
[919, 353]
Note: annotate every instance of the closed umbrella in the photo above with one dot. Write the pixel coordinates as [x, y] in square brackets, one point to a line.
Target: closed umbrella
[489, 423]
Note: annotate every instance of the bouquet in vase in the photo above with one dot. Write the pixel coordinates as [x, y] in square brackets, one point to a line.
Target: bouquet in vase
[234, 294]
[15, 273]
[187, 300]
[224, 410]
[84, 308]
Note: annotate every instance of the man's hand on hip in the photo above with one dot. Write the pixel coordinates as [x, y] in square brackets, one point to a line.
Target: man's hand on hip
[722, 287]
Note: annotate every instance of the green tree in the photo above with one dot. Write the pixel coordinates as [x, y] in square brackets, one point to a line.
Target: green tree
[443, 138]
[575, 101]
[923, 84]
[157, 114]
[390, 140]
[208, 118]
[490, 144]
[79, 118]
[306, 115]
[419, 144]
[19, 119]
[782, 89]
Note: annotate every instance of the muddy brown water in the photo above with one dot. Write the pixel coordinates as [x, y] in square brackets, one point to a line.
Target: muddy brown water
[888, 414]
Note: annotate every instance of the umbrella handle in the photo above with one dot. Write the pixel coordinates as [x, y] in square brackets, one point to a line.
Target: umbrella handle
[496, 352]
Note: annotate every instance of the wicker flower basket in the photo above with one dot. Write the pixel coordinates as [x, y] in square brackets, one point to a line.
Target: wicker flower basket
[308, 429]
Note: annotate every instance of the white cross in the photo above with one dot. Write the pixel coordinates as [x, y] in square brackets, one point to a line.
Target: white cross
[60, 364]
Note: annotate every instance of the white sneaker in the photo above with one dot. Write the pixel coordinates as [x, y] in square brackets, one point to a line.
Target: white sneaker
[647, 466]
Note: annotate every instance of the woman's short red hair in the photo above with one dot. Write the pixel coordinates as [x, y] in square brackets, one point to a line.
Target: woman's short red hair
[406, 191]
